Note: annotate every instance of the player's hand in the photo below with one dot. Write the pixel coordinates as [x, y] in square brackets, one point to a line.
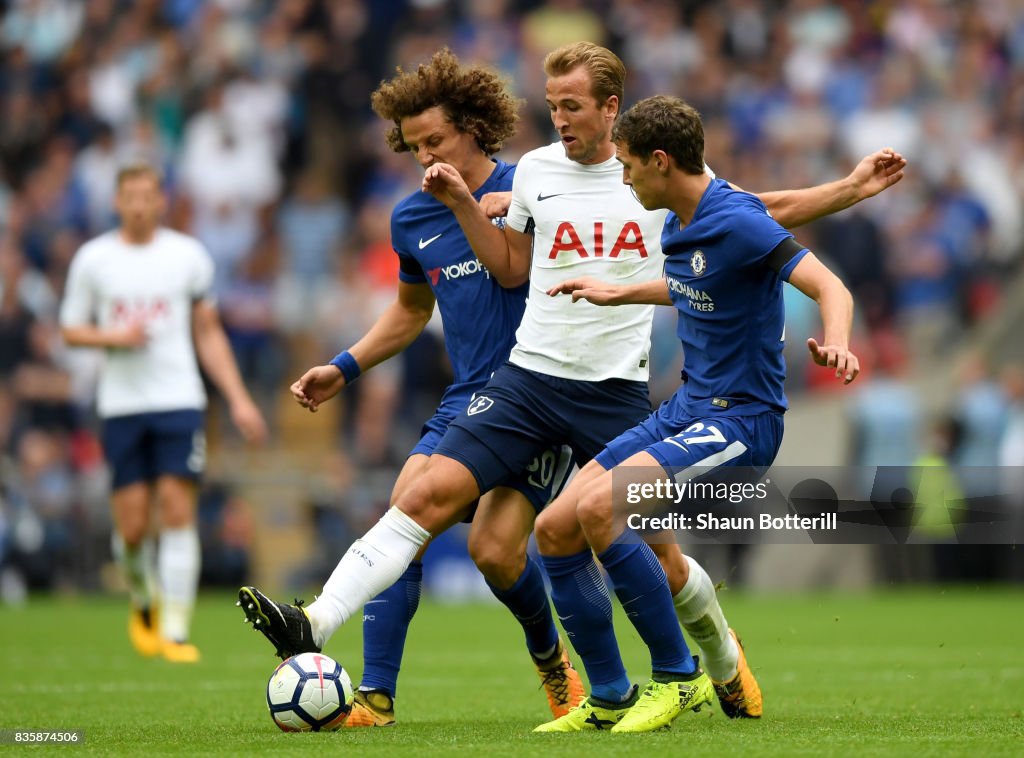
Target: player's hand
[249, 421]
[591, 290]
[845, 363]
[875, 172]
[132, 336]
[447, 185]
[318, 385]
[496, 204]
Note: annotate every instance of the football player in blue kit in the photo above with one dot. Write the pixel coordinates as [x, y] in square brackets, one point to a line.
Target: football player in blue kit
[726, 262]
[460, 115]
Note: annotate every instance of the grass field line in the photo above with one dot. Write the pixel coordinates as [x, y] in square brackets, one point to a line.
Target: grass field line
[889, 675]
[71, 688]
[851, 652]
[221, 685]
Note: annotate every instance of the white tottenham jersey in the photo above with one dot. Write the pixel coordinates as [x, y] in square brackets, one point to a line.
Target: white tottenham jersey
[585, 222]
[112, 283]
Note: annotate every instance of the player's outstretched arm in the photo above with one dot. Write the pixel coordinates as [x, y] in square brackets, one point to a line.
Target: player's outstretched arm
[504, 254]
[217, 360]
[390, 334]
[595, 291]
[815, 280]
[874, 173]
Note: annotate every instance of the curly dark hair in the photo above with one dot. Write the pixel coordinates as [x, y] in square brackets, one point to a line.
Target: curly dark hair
[473, 97]
[663, 123]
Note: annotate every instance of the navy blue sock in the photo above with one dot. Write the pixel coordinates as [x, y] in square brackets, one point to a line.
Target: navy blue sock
[641, 587]
[585, 610]
[528, 601]
[386, 621]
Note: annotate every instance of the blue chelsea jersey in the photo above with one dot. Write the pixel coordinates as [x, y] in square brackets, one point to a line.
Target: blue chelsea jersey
[725, 271]
[480, 316]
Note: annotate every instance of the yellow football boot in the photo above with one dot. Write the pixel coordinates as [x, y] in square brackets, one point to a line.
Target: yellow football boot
[662, 703]
[179, 652]
[590, 715]
[142, 631]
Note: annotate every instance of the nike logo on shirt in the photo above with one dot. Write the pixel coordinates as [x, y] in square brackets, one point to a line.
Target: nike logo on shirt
[424, 243]
[541, 198]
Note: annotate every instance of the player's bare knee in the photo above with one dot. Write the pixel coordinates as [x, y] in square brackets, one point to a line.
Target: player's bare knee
[594, 508]
[419, 501]
[176, 515]
[130, 507]
[133, 532]
[499, 565]
[132, 525]
[177, 498]
[177, 512]
[545, 534]
[558, 533]
[440, 496]
[430, 504]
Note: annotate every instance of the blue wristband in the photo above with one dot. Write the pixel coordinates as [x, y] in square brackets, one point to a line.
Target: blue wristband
[347, 365]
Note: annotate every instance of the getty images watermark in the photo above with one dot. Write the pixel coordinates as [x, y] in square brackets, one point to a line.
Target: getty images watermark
[678, 494]
[850, 505]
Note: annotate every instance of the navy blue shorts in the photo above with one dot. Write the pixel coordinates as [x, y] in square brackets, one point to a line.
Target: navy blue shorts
[678, 440]
[142, 446]
[520, 414]
[540, 480]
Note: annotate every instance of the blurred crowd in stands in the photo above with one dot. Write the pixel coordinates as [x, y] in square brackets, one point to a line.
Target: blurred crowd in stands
[258, 113]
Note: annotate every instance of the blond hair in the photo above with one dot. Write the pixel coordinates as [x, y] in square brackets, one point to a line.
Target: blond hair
[134, 170]
[607, 72]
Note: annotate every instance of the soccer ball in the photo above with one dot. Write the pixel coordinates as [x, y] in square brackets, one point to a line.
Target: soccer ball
[309, 692]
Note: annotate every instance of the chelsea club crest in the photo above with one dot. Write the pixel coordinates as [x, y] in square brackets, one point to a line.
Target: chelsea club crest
[698, 262]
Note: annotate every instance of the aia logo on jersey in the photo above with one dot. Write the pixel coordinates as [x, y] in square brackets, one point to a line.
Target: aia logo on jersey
[568, 239]
[698, 262]
[457, 271]
[479, 405]
[140, 309]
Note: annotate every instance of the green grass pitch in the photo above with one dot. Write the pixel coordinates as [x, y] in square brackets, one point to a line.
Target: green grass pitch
[928, 672]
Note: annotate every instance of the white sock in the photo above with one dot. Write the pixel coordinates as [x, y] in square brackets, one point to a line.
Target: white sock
[138, 567]
[178, 566]
[701, 616]
[370, 566]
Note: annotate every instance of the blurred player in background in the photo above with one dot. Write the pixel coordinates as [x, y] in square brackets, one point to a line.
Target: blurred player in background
[459, 115]
[726, 262]
[574, 376]
[141, 292]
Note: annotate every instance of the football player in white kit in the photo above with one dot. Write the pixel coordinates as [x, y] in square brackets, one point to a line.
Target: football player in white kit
[142, 293]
